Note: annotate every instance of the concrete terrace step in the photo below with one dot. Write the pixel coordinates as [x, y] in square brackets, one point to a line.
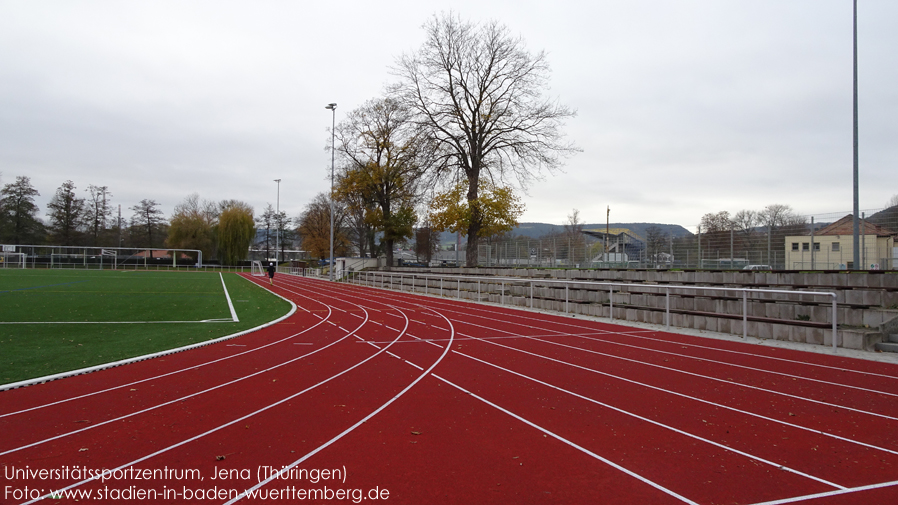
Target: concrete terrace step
[887, 346]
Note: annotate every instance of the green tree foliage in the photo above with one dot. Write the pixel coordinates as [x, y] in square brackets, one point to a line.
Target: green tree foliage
[66, 213]
[235, 231]
[497, 208]
[384, 156]
[192, 226]
[18, 213]
[479, 95]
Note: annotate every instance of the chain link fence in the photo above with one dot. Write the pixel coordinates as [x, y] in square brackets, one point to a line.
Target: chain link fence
[790, 242]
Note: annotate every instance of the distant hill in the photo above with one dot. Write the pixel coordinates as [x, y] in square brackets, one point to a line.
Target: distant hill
[538, 230]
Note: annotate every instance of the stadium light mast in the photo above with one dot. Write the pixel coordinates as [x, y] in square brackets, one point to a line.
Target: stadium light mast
[857, 249]
[333, 109]
[277, 240]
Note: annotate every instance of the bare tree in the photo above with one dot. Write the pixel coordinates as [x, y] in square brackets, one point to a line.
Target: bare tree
[314, 228]
[893, 202]
[427, 242]
[656, 242]
[66, 213]
[148, 221]
[573, 229]
[97, 212]
[478, 94]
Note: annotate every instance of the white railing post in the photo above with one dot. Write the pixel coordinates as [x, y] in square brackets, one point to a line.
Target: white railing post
[744, 314]
[835, 324]
[611, 302]
[667, 308]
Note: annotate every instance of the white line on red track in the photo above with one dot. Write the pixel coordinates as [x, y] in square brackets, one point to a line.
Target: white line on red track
[176, 400]
[232, 422]
[716, 379]
[830, 493]
[193, 367]
[659, 424]
[572, 444]
[523, 315]
[424, 373]
[682, 395]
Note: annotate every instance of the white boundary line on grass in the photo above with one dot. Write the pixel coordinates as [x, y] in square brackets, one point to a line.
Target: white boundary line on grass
[62, 375]
[230, 305]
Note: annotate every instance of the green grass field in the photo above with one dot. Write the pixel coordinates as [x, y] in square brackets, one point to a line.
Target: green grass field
[53, 321]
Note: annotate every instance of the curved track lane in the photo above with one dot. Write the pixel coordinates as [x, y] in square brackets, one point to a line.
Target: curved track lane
[433, 400]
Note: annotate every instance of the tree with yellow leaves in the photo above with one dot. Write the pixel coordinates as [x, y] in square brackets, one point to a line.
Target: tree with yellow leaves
[497, 207]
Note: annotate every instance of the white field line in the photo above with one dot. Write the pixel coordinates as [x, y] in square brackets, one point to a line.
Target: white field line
[572, 444]
[228, 297]
[363, 420]
[222, 426]
[292, 311]
[95, 368]
[524, 314]
[179, 399]
[657, 423]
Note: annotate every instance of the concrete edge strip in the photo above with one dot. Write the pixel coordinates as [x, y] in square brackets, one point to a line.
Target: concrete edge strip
[113, 364]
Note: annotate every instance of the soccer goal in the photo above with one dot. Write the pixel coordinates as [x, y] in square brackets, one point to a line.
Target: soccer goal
[12, 260]
[257, 270]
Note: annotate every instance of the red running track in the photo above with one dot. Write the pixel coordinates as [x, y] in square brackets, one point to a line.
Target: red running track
[374, 395]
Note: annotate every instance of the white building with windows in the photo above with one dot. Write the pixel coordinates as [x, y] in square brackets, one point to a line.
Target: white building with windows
[833, 248]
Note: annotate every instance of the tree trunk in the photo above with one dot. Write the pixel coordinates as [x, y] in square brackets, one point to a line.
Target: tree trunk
[476, 220]
[389, 253]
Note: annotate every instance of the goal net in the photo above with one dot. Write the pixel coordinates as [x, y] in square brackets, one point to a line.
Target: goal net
[12, 260]
[257, 270]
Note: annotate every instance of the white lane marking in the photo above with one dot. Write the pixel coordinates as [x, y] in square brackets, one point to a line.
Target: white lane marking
[165, 374]
[228, 297]
[230, 423]
[701, 400]
[725, 381]
[659, 424]
[783, 374]
[176, 400]
[572, 444]
[354, 426]
[830, 493]
[471, 306]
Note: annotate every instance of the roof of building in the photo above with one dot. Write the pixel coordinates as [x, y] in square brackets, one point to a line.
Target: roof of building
[845, 226]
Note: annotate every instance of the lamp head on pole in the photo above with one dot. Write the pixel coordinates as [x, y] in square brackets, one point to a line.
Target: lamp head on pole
[331, 106]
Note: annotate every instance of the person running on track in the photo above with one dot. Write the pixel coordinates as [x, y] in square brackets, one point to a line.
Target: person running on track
[271, 273]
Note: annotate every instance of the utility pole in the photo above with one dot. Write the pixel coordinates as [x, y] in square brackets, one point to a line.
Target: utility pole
[277, 240]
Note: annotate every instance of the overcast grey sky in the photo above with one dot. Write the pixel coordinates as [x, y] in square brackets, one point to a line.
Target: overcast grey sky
[684, 106]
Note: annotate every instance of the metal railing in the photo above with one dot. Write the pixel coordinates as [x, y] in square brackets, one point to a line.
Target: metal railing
[392, 280]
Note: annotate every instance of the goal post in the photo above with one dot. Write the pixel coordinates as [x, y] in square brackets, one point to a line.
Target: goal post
[12, 260]
[257, 269]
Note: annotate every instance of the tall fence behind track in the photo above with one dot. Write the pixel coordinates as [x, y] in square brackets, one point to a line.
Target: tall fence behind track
[788, 242]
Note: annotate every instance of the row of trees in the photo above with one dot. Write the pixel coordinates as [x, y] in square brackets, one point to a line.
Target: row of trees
[75, 220]
[224, 229]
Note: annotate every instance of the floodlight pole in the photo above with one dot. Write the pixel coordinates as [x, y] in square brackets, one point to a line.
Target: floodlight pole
[277, 240]
[857, 249]
[333, 109]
